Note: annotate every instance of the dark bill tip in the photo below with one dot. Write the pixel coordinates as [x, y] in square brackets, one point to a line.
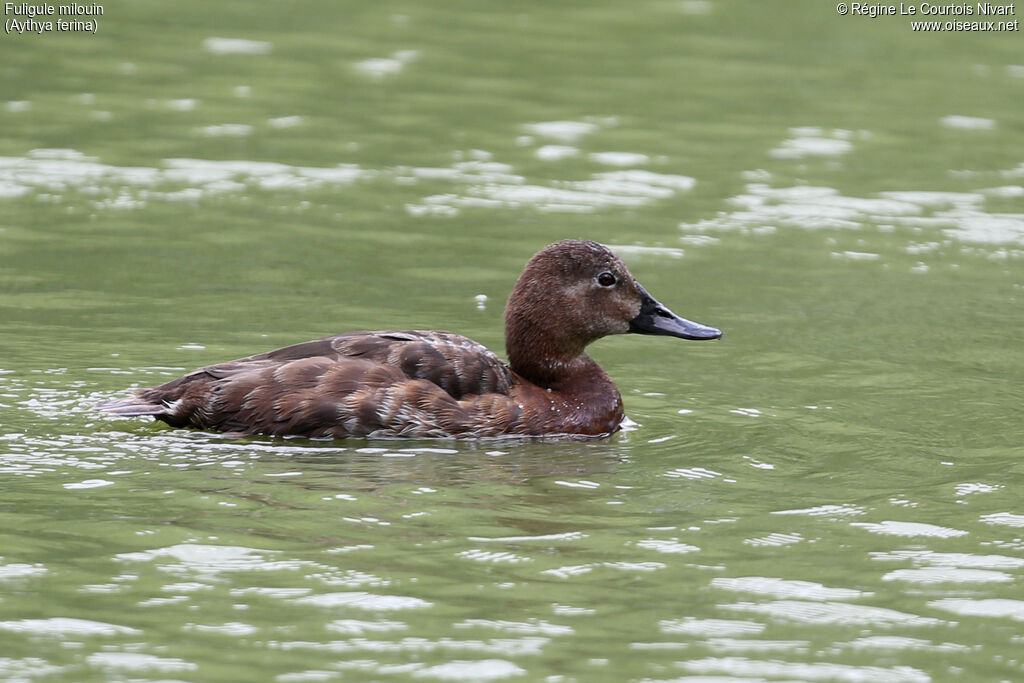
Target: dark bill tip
[657, 319]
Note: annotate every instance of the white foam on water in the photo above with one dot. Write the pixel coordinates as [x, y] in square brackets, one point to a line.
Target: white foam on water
[569, 571]
[379, 67]
[533, 627]
[895, 643]
[501, 189]
[210, 560]
[137, 661]
[986, 607]
[88, 484]
[66, 626]
[932, 200]
[970, 488]
[958, 216]
[667, 546]
[798, 148]
[186, 104]
[775, 539]
[1004, 519]
[755, 645]
[836, 613]
[812, 141]
[710, 627]
[480, 670]
[231, 628]
[62, 170]
[363, 600]
[958, 122]
[226, 130]
[909, 529]
[930, 575]
[563, 131]
[286, 121]
[856, 255]
[755, 670]
[358, 627]
[932, 558]
[1004, 191]
[979, 227]
[619, 158]
[567, 536]
[824, 511]
[679, 183]
[26, 668]
[236, 46]
[10, 190]
[786, 588]
[556, 152]
[21, 571]
[481, 181]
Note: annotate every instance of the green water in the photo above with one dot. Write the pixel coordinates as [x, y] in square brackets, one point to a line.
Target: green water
[831, 493]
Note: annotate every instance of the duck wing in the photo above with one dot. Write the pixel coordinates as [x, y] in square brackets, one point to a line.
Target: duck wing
[390, 383]
[458, 365]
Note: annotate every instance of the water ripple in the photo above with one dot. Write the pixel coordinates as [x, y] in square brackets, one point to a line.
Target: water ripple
[672, 546]
[928, 575]
[897, 528]
[62, 627]
[483, 670]
[897, 643]
[932, 558]
[534, 627]
[988, 607]
[762, 209]
[357, 627]
[134, 661]
[710, 627]
[739, 666]
[20, 571]
[363, 600]
[834, 511]
[786, 588]
[839, 613]
[210, 560]
[528, 645]
[1004, 519]
[236, 46]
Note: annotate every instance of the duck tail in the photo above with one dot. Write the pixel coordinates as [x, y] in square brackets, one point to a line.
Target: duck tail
[135, 405]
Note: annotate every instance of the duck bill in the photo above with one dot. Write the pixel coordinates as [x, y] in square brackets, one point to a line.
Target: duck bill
[657, 319]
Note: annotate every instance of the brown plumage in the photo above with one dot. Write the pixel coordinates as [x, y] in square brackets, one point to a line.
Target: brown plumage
[438, 384]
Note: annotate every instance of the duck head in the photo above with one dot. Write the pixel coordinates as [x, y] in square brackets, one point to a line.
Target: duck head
[573, 293]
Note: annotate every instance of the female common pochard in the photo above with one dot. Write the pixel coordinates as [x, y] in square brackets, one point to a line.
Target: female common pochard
[439, 384]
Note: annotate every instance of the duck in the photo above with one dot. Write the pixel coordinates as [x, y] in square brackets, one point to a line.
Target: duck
[434, 384]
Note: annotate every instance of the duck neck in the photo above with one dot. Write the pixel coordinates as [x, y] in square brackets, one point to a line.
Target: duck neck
[537, 353]
[544, 335]
[553, 373]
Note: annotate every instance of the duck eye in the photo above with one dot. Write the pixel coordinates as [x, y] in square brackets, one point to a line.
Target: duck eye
[606, 279]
